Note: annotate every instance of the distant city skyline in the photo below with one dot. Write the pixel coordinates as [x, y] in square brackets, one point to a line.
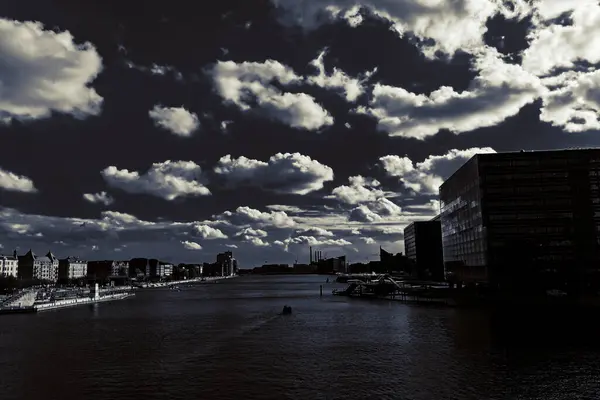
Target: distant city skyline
[268, 127]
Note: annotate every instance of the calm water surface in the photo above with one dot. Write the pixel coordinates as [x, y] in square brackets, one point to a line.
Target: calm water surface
[228, 341]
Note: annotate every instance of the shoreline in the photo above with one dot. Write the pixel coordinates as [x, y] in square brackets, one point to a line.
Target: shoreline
[181, 282]
[111, 294]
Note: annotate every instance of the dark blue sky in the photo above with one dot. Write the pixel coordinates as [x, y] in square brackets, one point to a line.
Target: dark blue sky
[144, 129]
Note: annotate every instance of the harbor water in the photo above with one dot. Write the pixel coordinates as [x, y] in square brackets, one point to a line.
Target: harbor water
[228, 340]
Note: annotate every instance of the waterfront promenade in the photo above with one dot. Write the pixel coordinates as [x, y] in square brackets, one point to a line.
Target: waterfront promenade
[207, 279]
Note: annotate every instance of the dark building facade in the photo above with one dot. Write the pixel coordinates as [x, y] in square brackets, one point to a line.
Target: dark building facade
[526, 219]
[107, 269]
[333, 265]
[423, 245]
[228, 263]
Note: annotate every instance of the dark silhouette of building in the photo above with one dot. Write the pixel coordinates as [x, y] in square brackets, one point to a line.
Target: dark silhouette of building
[156, 269]
[524, 221]
[393, 263]
[228, 263]
[138, 267]
[423, 245]
[104, 270]
[332, 265]
[273, 269]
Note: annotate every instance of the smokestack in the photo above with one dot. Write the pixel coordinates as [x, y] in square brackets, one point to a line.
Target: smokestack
[320, 255]
[310, 251]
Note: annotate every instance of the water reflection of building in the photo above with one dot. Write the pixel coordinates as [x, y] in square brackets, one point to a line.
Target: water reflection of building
[423, 245]
[526, 218]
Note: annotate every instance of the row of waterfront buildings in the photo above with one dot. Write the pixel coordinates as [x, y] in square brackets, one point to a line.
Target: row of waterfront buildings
[524, 220]
[49, 268]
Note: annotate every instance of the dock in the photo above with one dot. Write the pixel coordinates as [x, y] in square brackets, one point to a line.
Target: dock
[385, 287]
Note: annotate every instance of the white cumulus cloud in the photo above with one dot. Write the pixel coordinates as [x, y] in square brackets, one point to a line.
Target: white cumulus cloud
[453, 25]
[191, 245]
[246, 215]
[498, 92]
[338, 79]
[16, 183]
[554, 46]
[99, 198]
[249, 83]
[42, 71]
[168, 180]
[283, 173]
[177, 120]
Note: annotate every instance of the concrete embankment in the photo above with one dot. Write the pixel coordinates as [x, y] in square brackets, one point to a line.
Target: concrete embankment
[183, 282]
[79, 301]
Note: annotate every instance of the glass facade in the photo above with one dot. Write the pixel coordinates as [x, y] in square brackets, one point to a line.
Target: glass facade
[463, 233]
[528, 218]
[410, 246]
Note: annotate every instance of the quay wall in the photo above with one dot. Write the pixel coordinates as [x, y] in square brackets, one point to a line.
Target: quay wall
[183, 282]
[79, 301]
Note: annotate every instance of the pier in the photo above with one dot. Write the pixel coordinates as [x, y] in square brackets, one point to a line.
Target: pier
[385, 287]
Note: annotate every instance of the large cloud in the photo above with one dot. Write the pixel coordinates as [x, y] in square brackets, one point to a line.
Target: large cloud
[352, 88]
[427, 176]
[360, 190]
[283, 173]
[245, 216]
[17, 183]
[498, 92]
[369, 202]
[168, 180]
[555, 46]
[42, 71]
[249, 83]
[177, 120]
[453, 25]
[574, 104]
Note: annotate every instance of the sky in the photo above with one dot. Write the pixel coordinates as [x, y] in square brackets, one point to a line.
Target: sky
[263, 127]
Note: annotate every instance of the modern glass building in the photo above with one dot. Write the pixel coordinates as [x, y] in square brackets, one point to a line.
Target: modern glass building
[526, 219]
